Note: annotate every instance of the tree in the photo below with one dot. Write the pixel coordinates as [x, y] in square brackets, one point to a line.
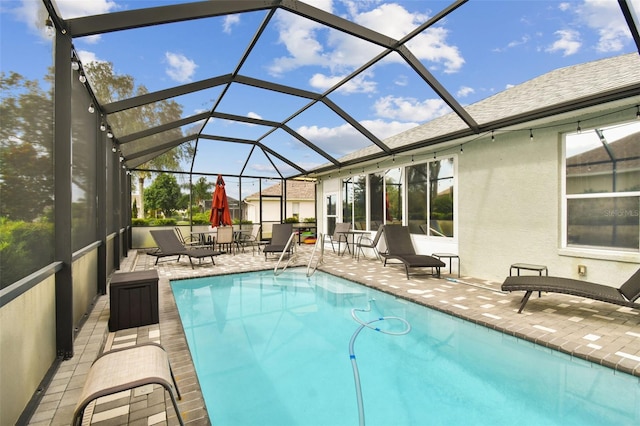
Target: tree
[110, 87]
[26, 135]
[201, 190]
[163, 194]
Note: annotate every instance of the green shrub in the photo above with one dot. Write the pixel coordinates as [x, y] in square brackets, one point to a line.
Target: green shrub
[200, 218]
[164, 222]
[25, 247]
[140, 222]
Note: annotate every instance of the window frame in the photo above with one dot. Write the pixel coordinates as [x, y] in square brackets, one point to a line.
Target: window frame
[593, 251]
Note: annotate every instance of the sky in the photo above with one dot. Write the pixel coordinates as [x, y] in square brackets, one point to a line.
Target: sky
[481, 49]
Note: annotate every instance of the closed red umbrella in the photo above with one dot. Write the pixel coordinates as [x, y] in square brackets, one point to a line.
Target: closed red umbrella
[220, 214]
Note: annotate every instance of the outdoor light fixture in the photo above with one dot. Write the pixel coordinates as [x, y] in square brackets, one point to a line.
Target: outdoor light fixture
[638, 112]
[579, 130]
[91, 108]
[82, 77]
[50, 30]
[531, 135]
[121, 158]
[114, 149]
[102, 127]
[461, 151]
[493, 138]
[75, 65]
[110, 134]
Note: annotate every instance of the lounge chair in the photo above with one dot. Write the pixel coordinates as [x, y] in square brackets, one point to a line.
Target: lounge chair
[169, 245]
[400, 247]
[124, 369]
[367, 242]
[280, 234]
[626, 295]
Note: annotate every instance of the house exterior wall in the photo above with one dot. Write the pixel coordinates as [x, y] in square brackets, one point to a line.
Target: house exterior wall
[510, 207]
[271, 209]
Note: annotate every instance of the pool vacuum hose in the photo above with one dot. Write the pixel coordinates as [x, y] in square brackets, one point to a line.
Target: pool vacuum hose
[352, 356]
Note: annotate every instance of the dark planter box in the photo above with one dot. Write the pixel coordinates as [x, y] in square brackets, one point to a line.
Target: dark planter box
[133, 298]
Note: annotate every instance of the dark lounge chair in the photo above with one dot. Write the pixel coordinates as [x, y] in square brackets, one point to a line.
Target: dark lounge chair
[400, 247]
[626, 295]
[169, 245]
[280, 234]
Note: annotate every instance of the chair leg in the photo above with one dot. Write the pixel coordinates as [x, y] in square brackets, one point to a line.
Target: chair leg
[525, 299]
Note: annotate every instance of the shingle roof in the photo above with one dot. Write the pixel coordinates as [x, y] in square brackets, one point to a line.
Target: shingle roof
[296, 190]
[546, 91]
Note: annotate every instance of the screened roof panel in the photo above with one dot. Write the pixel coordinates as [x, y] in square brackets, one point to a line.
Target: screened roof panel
[265, 104]
[379, 71]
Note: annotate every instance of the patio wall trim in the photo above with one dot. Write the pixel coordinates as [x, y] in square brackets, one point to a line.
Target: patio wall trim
[27, 283]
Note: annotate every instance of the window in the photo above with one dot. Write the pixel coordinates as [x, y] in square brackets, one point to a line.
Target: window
[430, 198]
[331, 212]
[393, 196]
[602, 188]
[376, 199]
[354, 203]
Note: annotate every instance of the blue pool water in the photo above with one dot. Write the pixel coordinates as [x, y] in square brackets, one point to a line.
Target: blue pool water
[275, 351]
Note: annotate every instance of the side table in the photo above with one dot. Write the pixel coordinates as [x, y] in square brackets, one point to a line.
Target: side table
[449, 256]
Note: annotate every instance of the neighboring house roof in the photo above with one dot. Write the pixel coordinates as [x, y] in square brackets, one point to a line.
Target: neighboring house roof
[543, 94]
[296, 190]
[626, 152]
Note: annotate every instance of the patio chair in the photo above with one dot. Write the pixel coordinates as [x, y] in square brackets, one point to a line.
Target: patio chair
[252, 239]
[225, 239]
[625, 295]
[339, 235]
[188, 241]
[400, 247]
[280, 235]
[169, 245]
[367, 242]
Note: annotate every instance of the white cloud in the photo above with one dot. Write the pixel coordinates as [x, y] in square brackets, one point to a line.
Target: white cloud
[309, 43]
[359, 84]
[76, 8]
[384, 129]
[339, 140]
[605, 17]
[34, 14]
[465, 91]
[87, 57]
[568, 42]
[344, 139]
[180, 68]
[252, 114]
[229, 22]
[409, 109]
[564, 6]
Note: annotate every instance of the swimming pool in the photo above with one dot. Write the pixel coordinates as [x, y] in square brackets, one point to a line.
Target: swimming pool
[275, 351]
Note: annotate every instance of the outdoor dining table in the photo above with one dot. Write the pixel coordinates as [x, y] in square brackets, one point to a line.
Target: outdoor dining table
[351, 241]
[201, 236]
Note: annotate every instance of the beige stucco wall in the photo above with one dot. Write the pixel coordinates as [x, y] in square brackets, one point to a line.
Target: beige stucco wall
[509, 207]
[509, 203]
[85, 284]
[27, 347]
[271, 210]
